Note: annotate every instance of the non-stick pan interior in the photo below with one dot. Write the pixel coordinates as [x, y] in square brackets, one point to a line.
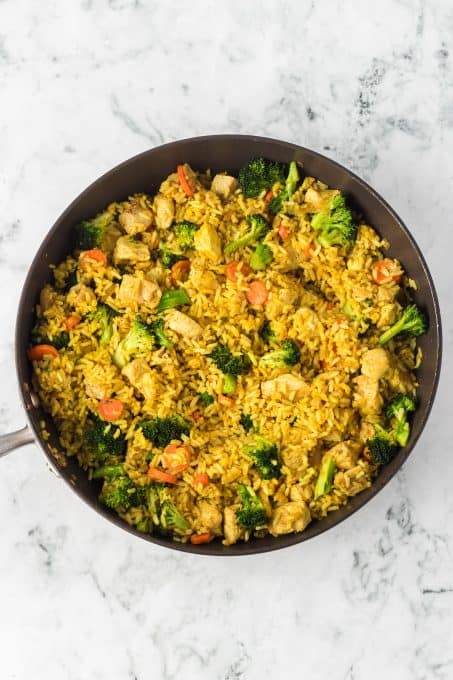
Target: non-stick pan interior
[144, 173]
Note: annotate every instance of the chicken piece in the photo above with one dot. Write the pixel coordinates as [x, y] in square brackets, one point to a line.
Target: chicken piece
[231, 474]
[183, 324]
[367, 397]
[345, 454]
[366, 431]
[289, 517]
[231, 528]
[320, 200]
[210, 517]
[280, 300]
[165, 211]
[375, 363]
[293, 256]
[300, 492]
[400, 379]
[207, 242]
[224, 185]
[387, 293]
[136, 219]
[81, 297]
[133, 289]
[47, 298]
[294, 458]
[129, 251]
[287, 385]
[388, 315]
[142, 378]
[352, 482]
[97, 383]
[203, 280]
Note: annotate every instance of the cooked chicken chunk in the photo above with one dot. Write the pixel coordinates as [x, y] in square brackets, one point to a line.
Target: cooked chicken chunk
[292, 516]
[207, 242]
[299, 492]
[129, 251]
[165, 211]
[320, 200]
[353, 481]
[367, 397]
[388, 315]
[375, 363]
[47, 298]
[366, 431]
[286, 385]
[133, 289]
[142, 378]
[345, 454]
[294, 459]
[224, 185]
[231, 528]
[400, 379]
[210, 517]
[204, 280]
[136, 219]
[81, 297]
[183, 324]
[97, 383]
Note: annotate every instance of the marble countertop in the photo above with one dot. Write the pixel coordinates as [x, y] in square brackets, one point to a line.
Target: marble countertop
[84, 85]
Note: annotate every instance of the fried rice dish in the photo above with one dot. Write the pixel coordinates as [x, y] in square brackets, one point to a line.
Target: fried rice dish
[231, 357]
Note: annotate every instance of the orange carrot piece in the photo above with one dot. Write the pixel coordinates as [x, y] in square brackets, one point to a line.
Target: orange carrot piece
[257, 293]
[196, 415]
[385, 271]
[198, 539]
[234, 268]
[110, 409]
[71, 322]
[161, 476]
[180, 269]
[283, 232]
[183, 181]
[225, 401]
[96, 255]
[176, 457]
[39, 352]
[309, 250]
[269, 196]
[202, 479]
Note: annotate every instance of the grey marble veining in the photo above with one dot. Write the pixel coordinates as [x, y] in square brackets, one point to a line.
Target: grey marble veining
[84, 85]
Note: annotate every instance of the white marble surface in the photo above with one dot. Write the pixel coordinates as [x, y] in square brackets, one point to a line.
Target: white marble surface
[88, 83]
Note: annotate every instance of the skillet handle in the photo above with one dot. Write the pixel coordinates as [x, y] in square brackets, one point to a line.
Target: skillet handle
[13, 440]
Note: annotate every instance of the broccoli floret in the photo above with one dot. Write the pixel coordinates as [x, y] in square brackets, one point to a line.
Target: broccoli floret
[185, 232]
[229, 363]
[103, 440]
[261, 257]
[171, 519]
[285, 194]
[173, 298]
[206, 398]
[161, 431]
[251, 516]
[158, 330]
[267, 334]
[382, 446]
[325, 477]
[335, 228]
[92, 233]
[140, 338]
[260, 174]
[121, 494]
[259, 227]
[108, 471]
[265, 457]
[104, 315]
[288, 354]
[168, 258]
[229, 384]
[38, 337]
[397, 411]
[246, 422]
[412, 322]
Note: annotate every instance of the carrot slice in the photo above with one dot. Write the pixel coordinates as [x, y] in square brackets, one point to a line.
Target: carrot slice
[225, 401]
[161, 476]
[176, 457]
[180, 269]
[110, 409]
[269, 196]
[183, 181]
[39, 352]
[309, 250]
[196, 415]
[198, 539]
[283, 232]
[71, 322]
[234, 268]
[96, 255]
[257, 293]
[385, 271]
[330, 305]
[202, 479]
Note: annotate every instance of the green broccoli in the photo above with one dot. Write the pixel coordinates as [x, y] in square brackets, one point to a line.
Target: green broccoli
[228, 363]
[168, 258]
[267, 334]
[110, 470]
[38, 337]
[229, 384]
[382, 446]
[261, 257]
[335, 228]
[158, 330]
[251, 515]
[259, 227]
[161, 431]
[173, 298]
[325, 478]
[140, 338]
[171, 519]
[288, 354]
[93, 233]
[103, 440]
[246, 422]
[288, 190]
[104, 315]
[397, 411]
[206, 398]
[260, 174]
[185, 232]
[265, 457]
[121, 494]
[412, 322]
